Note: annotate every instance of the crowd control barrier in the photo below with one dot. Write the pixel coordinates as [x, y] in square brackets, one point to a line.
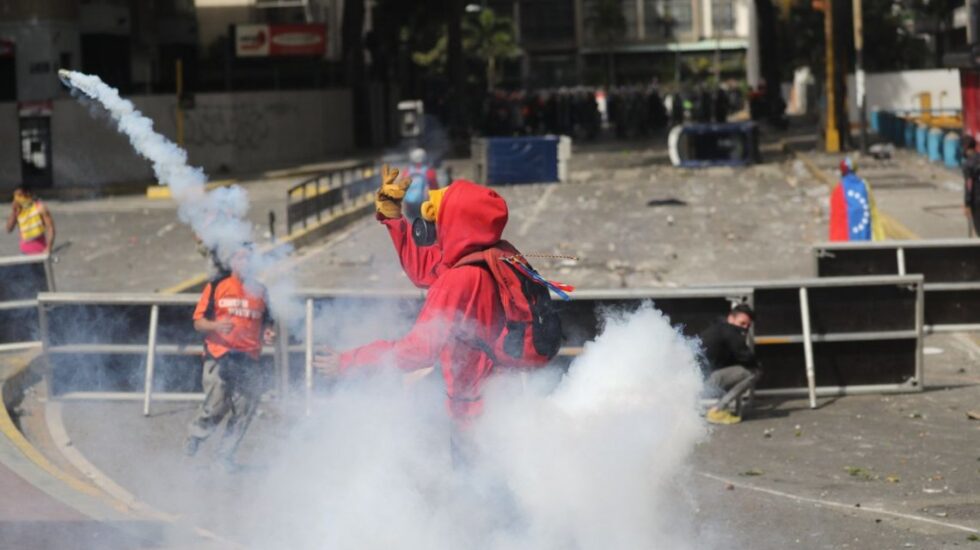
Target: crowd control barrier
[705, 145]
[129, 346]
[23, 277]
[143, 346]
[950, 267]
[850, 334]
[527, 159]
[328, 193]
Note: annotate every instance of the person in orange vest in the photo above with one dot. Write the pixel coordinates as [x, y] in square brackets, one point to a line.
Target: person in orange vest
[32, 217]
[233, 316]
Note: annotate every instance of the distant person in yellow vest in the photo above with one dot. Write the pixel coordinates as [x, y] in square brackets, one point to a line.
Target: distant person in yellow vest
[34, 221]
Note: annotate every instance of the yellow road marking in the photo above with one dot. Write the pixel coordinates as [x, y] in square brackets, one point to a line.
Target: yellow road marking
[163, 191]
[186, 284]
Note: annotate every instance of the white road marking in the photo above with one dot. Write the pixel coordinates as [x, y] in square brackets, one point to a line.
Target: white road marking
[841, 505]
[538, 207]
[105, 250]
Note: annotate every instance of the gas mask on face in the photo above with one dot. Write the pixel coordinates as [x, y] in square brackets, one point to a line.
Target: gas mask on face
[423, 232]
[424, 227]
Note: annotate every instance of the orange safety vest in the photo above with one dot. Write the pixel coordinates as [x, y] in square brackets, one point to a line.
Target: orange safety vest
[30, 222]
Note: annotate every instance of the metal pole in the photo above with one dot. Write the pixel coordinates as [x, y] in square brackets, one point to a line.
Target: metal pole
[179, 77]
[49, 274]
[859, 73]
[308, 371]
[831, 135]
[811, 381]
[42, 321]
[920, 302]
[900, 256]
[151, 350]
[281, 356]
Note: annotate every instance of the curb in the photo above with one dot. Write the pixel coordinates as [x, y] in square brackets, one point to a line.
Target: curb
[13, 385]
[93, 500]
[157, 191]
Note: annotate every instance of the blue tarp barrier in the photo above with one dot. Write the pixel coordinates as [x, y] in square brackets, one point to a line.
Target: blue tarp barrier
[522, 159]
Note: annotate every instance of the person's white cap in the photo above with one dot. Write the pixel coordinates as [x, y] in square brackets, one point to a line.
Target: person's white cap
[417, 155]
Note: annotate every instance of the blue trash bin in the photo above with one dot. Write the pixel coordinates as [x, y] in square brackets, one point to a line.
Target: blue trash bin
[951, 150]
[934, 145]
[892, 127]
[876, 121]
[909, 132]
[922, 139]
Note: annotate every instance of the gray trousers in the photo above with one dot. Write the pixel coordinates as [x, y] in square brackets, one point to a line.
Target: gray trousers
[232, 388]
[734, 381]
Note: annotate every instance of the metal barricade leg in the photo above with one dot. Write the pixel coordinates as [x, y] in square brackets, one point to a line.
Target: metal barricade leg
[808, 346]
[281, 356]
[150, 358]
[308, 370]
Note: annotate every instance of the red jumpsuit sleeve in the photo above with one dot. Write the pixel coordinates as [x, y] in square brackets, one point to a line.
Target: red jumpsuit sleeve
[431, 178]
[422, 264]
[457, 308]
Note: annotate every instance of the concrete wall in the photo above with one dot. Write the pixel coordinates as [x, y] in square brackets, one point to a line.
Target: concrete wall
[9, 148]
[238, 133]
[899, 90]
[40, 45]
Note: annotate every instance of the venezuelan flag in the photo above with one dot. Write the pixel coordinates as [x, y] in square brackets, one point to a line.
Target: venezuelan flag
[853, 215]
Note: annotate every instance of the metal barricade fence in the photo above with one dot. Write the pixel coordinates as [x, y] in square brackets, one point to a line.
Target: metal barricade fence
[851, 334]
[143, 346]
[21, 279]
[325, 194]
[105, 346]
[950, 267]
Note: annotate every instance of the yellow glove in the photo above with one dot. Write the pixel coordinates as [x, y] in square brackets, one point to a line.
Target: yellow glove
[388, 201]
[430, 208]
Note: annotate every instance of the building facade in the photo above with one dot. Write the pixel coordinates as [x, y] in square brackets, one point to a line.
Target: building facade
[566, 42]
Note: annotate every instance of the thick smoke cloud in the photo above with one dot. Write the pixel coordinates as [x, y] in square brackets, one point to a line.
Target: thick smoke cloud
[594, 458]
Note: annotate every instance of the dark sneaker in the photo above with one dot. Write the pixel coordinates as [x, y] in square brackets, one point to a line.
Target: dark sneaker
[191, 445]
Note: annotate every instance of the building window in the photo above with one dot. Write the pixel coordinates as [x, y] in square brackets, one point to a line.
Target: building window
[722, 16]
[546, 20]
[629, 14]
[679, 17]
[655, 24]
[601, 18]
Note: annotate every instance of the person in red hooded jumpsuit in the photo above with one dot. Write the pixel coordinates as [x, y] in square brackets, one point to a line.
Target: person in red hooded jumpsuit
[462, 305]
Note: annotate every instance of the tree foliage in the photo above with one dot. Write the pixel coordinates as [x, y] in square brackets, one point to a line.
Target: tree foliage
[487, 37]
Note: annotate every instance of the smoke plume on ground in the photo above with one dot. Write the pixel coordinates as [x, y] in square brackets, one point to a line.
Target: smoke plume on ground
[592, 459]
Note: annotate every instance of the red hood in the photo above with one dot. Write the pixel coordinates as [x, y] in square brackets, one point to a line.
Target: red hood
[471, 218]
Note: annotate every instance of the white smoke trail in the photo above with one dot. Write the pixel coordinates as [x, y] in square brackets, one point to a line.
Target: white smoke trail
[216, 217]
